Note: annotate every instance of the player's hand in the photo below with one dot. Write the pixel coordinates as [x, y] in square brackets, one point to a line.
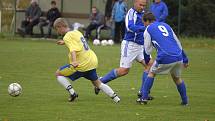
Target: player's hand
[186, 65]
[75, 64]
[60, 42]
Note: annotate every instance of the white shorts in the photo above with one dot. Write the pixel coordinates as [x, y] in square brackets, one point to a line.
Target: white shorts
[172, 68]
[130, 51]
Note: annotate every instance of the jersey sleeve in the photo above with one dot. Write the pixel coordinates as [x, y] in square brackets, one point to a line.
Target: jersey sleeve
[185, 58]
[130, 25]
[72, 43]
[176, 39]
[148, 46]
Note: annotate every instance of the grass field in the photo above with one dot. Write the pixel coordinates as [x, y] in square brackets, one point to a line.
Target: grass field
[32, 63]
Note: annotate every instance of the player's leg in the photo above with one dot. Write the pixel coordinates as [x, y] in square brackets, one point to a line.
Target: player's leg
[62, 74]
[147, 62]
[147, 85]
[107, 90]
[181, 87]
[145, 90]
[113, 74]
[128, 55]
[92, 75]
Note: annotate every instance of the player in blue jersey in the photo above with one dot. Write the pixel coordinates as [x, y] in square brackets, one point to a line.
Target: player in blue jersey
[132, 45]
[170, 56]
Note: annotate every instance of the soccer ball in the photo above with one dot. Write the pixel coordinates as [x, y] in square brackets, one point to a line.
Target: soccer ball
[96, 42]
[110, 42]
[104, 42]
[14, 89]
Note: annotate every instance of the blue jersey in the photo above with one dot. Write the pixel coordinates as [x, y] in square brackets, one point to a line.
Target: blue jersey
[160, 11]
[161, 36]
[119, 11]
[134, 27]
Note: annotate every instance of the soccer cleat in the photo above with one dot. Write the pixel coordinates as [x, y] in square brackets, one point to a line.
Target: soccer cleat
[97, 90]
[184, 104]
[150, 97]
[72, 97]
[142, 101]
[115, 98]
[139, 95]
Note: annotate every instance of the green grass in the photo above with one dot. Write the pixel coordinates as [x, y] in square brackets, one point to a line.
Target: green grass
[32, 63]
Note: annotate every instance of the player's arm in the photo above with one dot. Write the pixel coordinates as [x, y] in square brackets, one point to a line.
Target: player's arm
[130, 26]
[73, 57]
[185, 59]
[60, 42]
[148, 47]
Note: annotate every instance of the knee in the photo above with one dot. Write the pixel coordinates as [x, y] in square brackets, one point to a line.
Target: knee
[96, 83]
[177, 80]
[147, 66]
[57, 73]
[122, 71]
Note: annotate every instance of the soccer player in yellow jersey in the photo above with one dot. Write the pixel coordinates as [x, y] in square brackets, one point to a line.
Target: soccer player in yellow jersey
[82, 61]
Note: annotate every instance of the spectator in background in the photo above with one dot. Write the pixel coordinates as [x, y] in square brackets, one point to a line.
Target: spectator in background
[108, 9]
[159, 10]
[118, 16]
[32, 16]
[52, 14]
[108, 13]
[96, 20]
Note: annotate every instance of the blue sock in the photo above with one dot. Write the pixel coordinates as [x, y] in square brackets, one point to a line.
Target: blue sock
[182, 91]
[147, 87]
[145, 74]
[110, 76]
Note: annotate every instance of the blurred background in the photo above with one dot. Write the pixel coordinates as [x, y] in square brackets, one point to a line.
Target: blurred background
[187, 17]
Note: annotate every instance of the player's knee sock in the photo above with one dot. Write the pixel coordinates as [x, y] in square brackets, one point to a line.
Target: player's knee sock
[110, 76]
[182, 91]
[66, 84]
[144, 76]
[106, 89]
[147, 87]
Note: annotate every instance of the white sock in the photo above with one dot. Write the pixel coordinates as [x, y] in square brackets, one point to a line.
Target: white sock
[66, 84]
[108, 91]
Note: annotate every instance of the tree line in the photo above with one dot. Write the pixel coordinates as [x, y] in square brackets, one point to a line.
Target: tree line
[197, 17]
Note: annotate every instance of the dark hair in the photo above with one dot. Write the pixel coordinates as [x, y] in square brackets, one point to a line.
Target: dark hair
[53, 2]
[148, 16]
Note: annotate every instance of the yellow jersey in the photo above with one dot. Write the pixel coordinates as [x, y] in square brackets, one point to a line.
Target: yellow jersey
[86, 58]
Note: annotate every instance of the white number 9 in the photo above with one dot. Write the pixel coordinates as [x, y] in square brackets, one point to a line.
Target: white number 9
[163, 30]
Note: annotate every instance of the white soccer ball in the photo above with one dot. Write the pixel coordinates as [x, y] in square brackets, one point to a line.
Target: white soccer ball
[104, 42]
[96, 42]
[14, 89]
[110, 42]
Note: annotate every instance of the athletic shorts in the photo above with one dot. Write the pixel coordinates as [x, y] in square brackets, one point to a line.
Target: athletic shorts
[69, 71]
[130, 51]
[172, 68]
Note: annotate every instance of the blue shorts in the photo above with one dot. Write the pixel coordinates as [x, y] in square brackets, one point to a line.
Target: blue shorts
[71, 73]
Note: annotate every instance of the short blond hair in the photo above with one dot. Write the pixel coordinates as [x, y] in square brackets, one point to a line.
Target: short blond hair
[60, 22]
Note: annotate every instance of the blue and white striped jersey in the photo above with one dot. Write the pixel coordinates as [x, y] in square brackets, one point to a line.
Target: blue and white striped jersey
[161, 36]
[134, 26]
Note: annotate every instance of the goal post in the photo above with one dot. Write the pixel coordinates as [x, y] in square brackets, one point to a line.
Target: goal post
[0, 20]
